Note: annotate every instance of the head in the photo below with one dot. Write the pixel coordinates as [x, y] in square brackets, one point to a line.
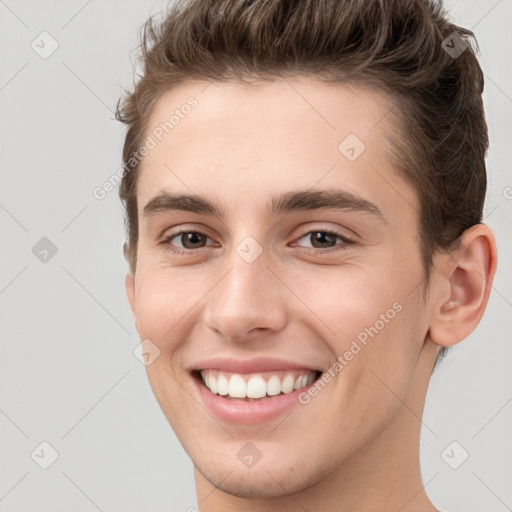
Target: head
[292, 118]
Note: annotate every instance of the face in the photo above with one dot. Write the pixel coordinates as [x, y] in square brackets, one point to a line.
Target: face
[296, 278]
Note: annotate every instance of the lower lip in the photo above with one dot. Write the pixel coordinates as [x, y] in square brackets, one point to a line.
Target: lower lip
[247, 413]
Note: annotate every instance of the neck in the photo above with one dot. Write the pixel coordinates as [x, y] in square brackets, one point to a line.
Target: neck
[385, 475]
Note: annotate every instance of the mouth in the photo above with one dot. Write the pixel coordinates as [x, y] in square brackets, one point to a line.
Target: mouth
[255, 387]
[247, 392]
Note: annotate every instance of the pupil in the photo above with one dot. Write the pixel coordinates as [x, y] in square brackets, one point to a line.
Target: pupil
[189, 237]
[320, 236]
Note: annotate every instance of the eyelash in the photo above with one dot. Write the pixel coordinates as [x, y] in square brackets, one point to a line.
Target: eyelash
[346, 242]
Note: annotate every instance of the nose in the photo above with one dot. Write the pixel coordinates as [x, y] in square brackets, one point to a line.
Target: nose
[249, 301]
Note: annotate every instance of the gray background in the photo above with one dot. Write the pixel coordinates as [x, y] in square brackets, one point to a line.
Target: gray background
[68, 375]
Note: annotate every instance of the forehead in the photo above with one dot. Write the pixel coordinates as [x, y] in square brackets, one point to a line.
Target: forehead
[242, 143]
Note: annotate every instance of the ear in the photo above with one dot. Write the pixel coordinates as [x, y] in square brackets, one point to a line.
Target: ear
[463, 286]
[129, 283]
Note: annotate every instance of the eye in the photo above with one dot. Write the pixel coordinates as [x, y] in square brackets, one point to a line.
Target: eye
[190, 240]
[324, 240]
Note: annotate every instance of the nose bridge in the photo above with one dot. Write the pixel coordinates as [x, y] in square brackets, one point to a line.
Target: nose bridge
[247, 297]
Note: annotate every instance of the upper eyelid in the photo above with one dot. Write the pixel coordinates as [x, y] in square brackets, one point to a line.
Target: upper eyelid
[335, 231]
[183, 231]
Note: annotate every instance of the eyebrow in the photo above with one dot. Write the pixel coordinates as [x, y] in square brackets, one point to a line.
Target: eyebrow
[292, 201]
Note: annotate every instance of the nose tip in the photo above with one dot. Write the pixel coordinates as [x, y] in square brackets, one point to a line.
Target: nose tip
[246, 303]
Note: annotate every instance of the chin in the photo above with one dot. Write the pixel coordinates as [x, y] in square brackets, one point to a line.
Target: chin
[262, 483]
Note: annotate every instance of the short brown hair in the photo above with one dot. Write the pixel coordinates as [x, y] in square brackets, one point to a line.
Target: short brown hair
[400, 47]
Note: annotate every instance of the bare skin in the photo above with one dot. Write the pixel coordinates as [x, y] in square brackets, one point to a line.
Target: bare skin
[355, 444]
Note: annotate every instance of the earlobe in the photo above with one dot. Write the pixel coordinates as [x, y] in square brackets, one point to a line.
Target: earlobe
[471, 270]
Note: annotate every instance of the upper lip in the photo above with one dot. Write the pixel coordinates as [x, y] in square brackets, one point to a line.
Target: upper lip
[254, 365]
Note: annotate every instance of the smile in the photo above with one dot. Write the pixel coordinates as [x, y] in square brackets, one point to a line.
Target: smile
[256, 386]
[251, 391]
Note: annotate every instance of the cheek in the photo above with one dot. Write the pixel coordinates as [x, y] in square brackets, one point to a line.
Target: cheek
[371, 317]
[349, 300]
[162, 299]
[376, 344]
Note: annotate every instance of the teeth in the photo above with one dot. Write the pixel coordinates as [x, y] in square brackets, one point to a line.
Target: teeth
[212, 384]
[222, 385]
[256, 387]
[235, 386]
[287, 384]
[273, 386]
